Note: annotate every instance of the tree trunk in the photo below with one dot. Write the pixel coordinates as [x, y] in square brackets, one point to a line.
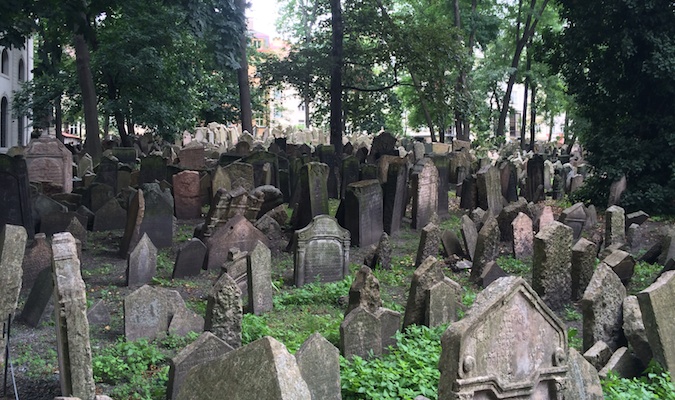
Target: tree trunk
[130, 132]
[121, 127]
[58, 118]
[305, 100]
[337, 60]
[533, 115]
[423, 104]
[550, 128]
[245, 110]
[92, 143]
[523, 126]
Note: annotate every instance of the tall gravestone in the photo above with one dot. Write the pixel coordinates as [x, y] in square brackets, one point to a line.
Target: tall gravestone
[153, 168]
[551, 264]
[487, 247]
[132, 231]
[232, 176]
[312, 194]
[158, 217]
[508, 345]
[321, 251]
[72, 327]
[48, 160]
[442, 163]
[363, 212]
[615, 226]
[12, 247]
[361, 334]
[349, 173]
[602, 308]
[534, 185]
[489, 189]
[265, 168]
[657, 303]
[394, 196]
[319, 363]
[186, 195]
[224, 311]
[259, 277]
[424, 192]
[148, 311]
[15, 206]
[142, 263]
[583, 264]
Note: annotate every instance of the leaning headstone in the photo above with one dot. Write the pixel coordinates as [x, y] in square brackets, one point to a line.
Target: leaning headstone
[48, 160]
[622, 263]
[259, 276]
[583, 381]
[12, 247]
[37, 258]
[148, 312]
[551, 261]
[623, 363]
[72, 328]
[634, 329]
[602, 309]
[263, 369]
[451, 244]
[319, 363]
[224, 311]
[361, 334]
[98, 314]
[509, 343]
[15, 206]
[206, 348]
[442, 163]
[158, 216]
[469, 235]
[186, 195]
[185, 321]
[425, 277]
[232, 176]
[487, 247]
[534, 186]
[132, 231]
[424, 180]
[190, 259]
[321, 251]
[430, 240]
[237, 232]
[363, 212]
[575, 218]
[583, 264]
[38, 299]
[364, 291]
[615, 225]
[141, 263]
[523, 236]
[598, 354]
[78, 231]
[657, 303]
[508, 215]
[394, 194]
[489, 190]
[312, 194]
[638, 217]
[441, 303]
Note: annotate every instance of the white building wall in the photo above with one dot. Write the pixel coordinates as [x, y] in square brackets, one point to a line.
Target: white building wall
[16, 131]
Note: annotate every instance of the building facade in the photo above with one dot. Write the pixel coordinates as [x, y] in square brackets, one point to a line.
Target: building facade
[16, 67]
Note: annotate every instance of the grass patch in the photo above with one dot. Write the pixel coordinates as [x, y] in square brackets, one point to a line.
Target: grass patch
[514, 266]
[656, 384]
[644, 275]
[36, 365]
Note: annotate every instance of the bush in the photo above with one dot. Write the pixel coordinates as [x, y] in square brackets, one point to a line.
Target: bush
[656, 384]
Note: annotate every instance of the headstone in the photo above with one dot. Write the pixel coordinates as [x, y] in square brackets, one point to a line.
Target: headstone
[551, 264]
[394, 195]
[523, 237]
[312, 194]
[192, 156]
[361, 334]
[622, 263]
[634, 329]
[186, 195]
[657, 303]
[382, 253]
[469, 235]
[37, 258]
[15, 208]
[442, 163]
[206, 348]
[575, 218]
[327, 156]
[98, 314]
[583, 264]
[489, 190]
[441, 302]
[469, 193]
[430, 240]
[534, 187]
[12, 247]
[364, 291]
[424, 180]
[426, 276]
[265, 168]
[232, 176]
[141, 263]
[78, 230]
[638, 217]
[349, 173]
[487, 247]
[259, 276]
[189, 259]
[158, 216]
[185, 321]
[545, 218]
[615, 225]
[451, 244]
[85, 165]
[263, 369]
[97, 195]
[224, 311]
[237, 232]
[616, 189]
[72, 327]
[583, 381]
[509, 344]
[40, 295]
[623, 363]
[148, 312]
[107, 172]
[48, 160]
[132, 231]
[153, 168]
[110, 216]
[363, 212]
[491, 272]
[321, 251]
[598, 355]
[602, 309]
[319, 363]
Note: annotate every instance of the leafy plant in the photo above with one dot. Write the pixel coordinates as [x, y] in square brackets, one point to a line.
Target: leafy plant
[656, 384]
[514, 266]
[644, 275]
[571, 313]
[313, 293]
[573, 339]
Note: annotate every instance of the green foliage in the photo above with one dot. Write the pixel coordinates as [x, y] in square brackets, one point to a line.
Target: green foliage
[574, 339]
[571, 313]
[164, 262]
[644, 275]
[36, 365]
[313, 294]
[656, 384]
[410, 368]
[514, 266]
[137, 369]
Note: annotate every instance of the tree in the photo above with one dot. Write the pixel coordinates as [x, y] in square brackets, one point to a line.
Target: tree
[618, 58]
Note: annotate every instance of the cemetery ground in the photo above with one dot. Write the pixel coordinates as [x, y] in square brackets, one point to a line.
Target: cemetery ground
[139, 369]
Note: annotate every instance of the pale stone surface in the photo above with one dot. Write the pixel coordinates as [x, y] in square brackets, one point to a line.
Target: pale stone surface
[319, 363]
[12, 246]
[598, 354]
[657, 303]
[442, 300]
[259, 276]
[361, 333]
[424, 179]
[263, 369]
[321, 251]
[615, 225]
[508, 341]
[583, 382]
[622, 263]
[48, 160]
[364, 291]
[72, 326]
[623, 363]
[546, 217]
[487, 247]
[469, 235]
[224, 311]
[142, 262]
[551, 277]
[430, 240]
[148, 312]
[425, 276]
[523, 236]
[583, 265]
[490, 190]
[634, 329]
[602, 309]
[206, 348]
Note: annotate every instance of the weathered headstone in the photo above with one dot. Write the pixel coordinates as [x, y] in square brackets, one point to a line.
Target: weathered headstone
[623, 364]
[598, 354]
[232, 176]
[394, 195]
[153, 168]
[510, 344]
[321, 251]
[426, 277]
[15, 206]
[451, 244]
[441, 302]
[72, 327]
[263, 369]
[523, 237]
[430, 240]
[158, 216]
[312, 194]
[489, 190]
[41, 293]
[237, 232]
[48, 160]
[190, 259]
[37, 258]
[319, 363]
[551, 264]
[363, 212]
[186, 195]
[545, 218]
[442, 163]
[583, 381]
[12, 247]
[534, 186]
[615, 225]
[602, 309]
[141, 263]
[206, 348]
[622, 263]
[98, 314]
[487, 247]
[583, 264]
[110, 216]
[424, 180]
[349, 173]
[224, 311]
[364, 291]
[361, 334]
[634, 329]
[259, 276]
[148, 312]
[575, 218]
[192, 156]
[469, 235]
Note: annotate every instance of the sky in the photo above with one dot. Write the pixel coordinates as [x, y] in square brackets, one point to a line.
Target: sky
[262, 15]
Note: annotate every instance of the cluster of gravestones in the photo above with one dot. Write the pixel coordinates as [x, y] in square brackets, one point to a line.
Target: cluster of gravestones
[509, 342]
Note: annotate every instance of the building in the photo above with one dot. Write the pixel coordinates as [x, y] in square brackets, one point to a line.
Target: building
[16, 67]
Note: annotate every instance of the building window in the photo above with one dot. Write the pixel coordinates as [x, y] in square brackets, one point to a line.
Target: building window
[4, 121]
[257, 44]
[4, 64]
[22, 74]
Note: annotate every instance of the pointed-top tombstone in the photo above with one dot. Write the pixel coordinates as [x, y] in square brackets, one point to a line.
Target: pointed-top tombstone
[142, 263]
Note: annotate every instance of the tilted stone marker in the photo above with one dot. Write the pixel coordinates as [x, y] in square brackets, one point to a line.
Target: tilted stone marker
[487, 247]
[37, 258]
[469, 235]
[363, 212]
[38, 299]
[361, 333]
[15, 206]
[489, 190]
[237, 232]
[430, 240]
[551, 264]
[622, 263]
[583, 381]
[583, 264]
[424, 192]
[12, 247]
[48, 160]
[321, 251]
[189, 259]
[523, 236]
[72, 327]
[206, 348]
[110, 216]
[148, 312]
[602, 309]
[509, 345]
[615, 225]
[657, 303]
[142, 263]
[259, 277]
[634, 329]
[575, 218]
[394, 195]
[263, 369]
[224, 311]
[319, 363]
[364, 291]
[432, 296]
